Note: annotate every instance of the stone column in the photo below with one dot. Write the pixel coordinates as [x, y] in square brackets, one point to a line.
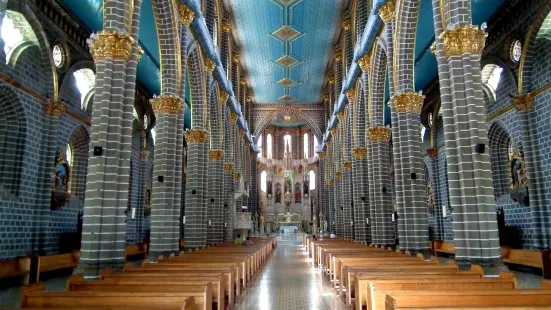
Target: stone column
[104, 229]
[432, 164]
[215, 196]
[347, 199]
[229, 202]
[167, 177]
[458, 48]
[322, 187]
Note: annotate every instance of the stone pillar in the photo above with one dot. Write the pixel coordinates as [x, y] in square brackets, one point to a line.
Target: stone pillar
[104, 229]
[215, 196]
[432, 164]
[229, 202]
[458, 48]
[323, 188]
[347, 201]
[167, 177]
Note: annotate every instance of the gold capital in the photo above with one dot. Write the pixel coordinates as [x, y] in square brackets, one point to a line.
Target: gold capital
[237, 176]
[235, 58]
[186, 15]
[432, 153]
[351, 94]
[233, 118]
[387, 12]
[408, 102]
[196, 136]
[360, 153]
[209, 66]
[228, 168]
[524, 102]
[338, 55]
[331, 81]
[347, 165]
[334, 131]
[224, 97]
[322, 155]
[166, 105]
[346, 24]
[379, 134]
[226, 27]
[55, 109]
[338, 175]
[331, 183]
[111, 44]
[141, 52]
[365, 63]
[463, 40]
[216, 155]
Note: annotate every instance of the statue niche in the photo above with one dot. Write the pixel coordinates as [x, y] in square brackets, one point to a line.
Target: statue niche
[278, 193]
[297, 193]
[517, 177]
[60, 183]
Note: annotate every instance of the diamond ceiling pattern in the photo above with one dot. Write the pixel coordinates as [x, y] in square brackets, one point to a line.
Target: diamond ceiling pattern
[285, 46]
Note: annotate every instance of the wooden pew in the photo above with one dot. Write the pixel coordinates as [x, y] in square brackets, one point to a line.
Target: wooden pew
[19, 267]
[35, 297]
[536, 259]
[136, 249]
[57, 262]
[493, 299]
[441, 247]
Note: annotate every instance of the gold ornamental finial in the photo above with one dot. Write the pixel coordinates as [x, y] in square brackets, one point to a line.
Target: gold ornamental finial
[360, 153]
[166, 105]
[338, 56]
[111, 44]
[141, 52]
[524, 102]
[334, 131]
[365, 62]
[408, 102]
[463, 40]
[387, 12]
[379, 134]
[209, 66]
[216, 155]
[196, 136]
[186, 15]
[224, 97]
[326, 99]
[55, 109]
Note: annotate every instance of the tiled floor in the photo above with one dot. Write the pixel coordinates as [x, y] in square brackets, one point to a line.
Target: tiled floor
[289, 282]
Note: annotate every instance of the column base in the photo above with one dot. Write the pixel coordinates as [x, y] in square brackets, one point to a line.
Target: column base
[491, 267]
[92, 271]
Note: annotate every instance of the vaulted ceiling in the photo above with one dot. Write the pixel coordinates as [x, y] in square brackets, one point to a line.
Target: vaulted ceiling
[286, 46]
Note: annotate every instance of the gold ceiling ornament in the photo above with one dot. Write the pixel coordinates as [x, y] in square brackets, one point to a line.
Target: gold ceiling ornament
[432, 153]
[347, 165]
[463, 40]
[237, 176]
[228, 168]
[166, 105]
[365, 62]
[287, 98]
[387, 12]
[233, 118]
[216, 155]
[186, 15]
[226, 27]
[224, 97]
[209, 65]
[351, 94]
[346, 24]
[111, 44]
[287, 61]
[196, 136]
[408, 102]
[286, 33]
[359, 153]
[524, 102]
[379, 134]
[338, 175]
[287, 82]
[55, 109]
[322, 155]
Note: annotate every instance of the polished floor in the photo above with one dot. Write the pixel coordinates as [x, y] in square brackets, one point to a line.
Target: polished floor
[288, 281]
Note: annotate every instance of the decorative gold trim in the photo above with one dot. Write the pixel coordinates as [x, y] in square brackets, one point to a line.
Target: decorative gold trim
[322, 155]
[338, 175]
[196, 136]
[226, 27]
[340, 116]
[233, 117]
[235, 58]
[387, 12]
[186, 15]
[347, 166]
[365, 62]
[346, 24]
[216, 155]
[408, 102]
[463, 40]
[237, 176]
[331, 183]
[141, 52]
[524, 102]
[228, 168]
[334, 132]
[359, 153]
[432, 153]
[351, 94]
[209, 65]
[55, 109]
[224, 97]
[166, 105]
[331, 81]
[111, 44]
[432, 48]
[379, 134]
[338, 56]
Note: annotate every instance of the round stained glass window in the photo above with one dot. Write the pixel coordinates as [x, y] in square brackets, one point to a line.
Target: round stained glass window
[58, 54]
[516, 51]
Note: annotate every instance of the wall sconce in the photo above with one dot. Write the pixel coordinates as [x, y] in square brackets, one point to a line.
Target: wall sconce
[444, 212]
[393, 217]
[367, 220]
[183, 219]
[133, 213]
[209, 222]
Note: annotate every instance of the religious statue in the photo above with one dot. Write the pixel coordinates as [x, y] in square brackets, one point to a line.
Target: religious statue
[278, 193]
[430, 198]
[60, 183]
[288, 186]
[297, 193]
[518, 177]
[269, 188]
[306, 186]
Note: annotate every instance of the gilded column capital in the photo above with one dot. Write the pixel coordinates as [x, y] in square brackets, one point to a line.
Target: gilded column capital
[331, 182]
[209, 65]
[235, 58]
[237, 176]
[331, 81]
[432, 153]
[408, 102]
[351, 94]
[365, 63]
[233, 118]
[224, 97]
[226, 27]
[329, 143]
[55, 109]
[359, 153]
[340, 116]
[379, 134]
[186, 15]
[468, 39]
[322, 155]
[346, 24]
[524, 102]
[141, 52]
[325, 99]
[334, 131]
[338, 56]
[228, 167]
[216, 155]
[338, 175]
[196, 136]
[387, 12]
[347, 166]
[166, 105]
[432, 48]
[260, 166]
[111, 44]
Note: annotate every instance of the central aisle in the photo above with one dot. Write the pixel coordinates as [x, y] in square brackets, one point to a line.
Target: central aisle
[289, 282]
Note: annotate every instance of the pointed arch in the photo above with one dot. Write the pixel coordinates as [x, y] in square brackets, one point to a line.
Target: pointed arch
[267, 120]
[196, 74]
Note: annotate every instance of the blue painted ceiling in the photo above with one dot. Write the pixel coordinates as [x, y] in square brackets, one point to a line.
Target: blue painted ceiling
[286, 46]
